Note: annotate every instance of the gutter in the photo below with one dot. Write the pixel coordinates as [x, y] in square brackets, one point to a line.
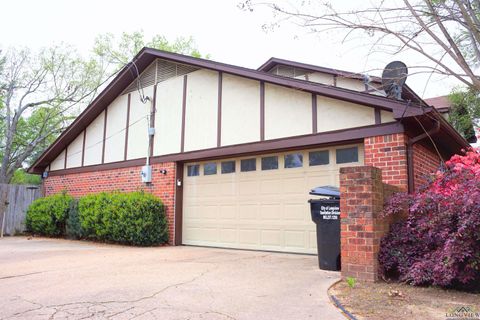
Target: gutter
[410, 143]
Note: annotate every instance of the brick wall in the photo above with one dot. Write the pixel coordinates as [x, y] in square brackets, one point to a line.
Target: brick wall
[389, 153]
[425, 163]
[124, 180]
[361, 201]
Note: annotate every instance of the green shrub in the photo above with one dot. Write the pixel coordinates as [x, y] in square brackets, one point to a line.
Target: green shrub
[47, 216]
[129, 218]
[73, 227]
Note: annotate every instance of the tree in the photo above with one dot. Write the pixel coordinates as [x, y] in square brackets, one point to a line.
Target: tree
[464, 113]
[41, 92]
[22, 177]
[445, 32]
[117, 52]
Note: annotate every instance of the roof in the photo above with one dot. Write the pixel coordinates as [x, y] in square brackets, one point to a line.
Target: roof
[441, 103]
[146, 56]
[408, 93]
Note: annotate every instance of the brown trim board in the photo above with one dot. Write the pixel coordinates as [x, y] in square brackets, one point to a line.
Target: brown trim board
[184, 110]
[262, 111]
[153, 113]
[83, 146]
[104, 134]
[303, 142]
[127, 125]
[178, 204]
[219, 111]
[65, 158]
[314, 113]
[378, 116]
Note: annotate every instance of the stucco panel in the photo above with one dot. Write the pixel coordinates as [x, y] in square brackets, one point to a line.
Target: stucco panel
[74, 152]
[288, 112]
[336, 114]
[201, 110]
[168, 118]
[59, 162]
[115, 137]
[240, 110]
[321, 78]
[387, 116]
[351, 84]
[138, 129]
[93, 141]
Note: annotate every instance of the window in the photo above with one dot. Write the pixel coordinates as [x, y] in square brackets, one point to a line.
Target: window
[248, 165]
[193, 170]
[347, 155]
[316, 158]
[270, 163]
[209, 168]
[294, 160]
[228, 167]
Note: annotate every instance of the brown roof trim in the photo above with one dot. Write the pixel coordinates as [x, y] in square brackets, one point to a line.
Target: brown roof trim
[272, 62]
[148, 55]
[303, 142]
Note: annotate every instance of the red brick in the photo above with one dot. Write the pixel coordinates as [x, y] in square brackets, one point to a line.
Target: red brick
[124, 180]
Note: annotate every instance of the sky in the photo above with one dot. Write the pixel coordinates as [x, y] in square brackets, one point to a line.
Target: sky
[219, 28]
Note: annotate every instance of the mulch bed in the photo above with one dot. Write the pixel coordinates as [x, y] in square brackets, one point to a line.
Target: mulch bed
[383, 300]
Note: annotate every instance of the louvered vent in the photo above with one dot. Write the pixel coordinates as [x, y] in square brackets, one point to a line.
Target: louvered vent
[162, 70]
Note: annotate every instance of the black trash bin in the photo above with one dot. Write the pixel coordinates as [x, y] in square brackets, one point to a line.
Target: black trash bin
[326, 215]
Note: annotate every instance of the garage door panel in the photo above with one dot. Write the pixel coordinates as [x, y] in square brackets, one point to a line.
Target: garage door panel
[249, 236]
[270, 186]
[296, 213]
[295, 239]
[260, 210]
[246, 188]
[271, 212]
[293, 186]
[272, 238]
[228, 212]
[228, 236]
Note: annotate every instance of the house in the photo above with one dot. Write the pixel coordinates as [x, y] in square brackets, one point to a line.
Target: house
[235, 151]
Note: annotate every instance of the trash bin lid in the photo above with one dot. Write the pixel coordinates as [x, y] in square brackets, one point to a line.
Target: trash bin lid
[327, 191]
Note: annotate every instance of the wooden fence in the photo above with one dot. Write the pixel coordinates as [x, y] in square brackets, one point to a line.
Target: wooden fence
[19, 198]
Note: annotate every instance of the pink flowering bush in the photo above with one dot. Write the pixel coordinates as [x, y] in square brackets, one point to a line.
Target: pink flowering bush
[439, 242]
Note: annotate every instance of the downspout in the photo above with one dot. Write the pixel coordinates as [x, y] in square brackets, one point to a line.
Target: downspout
[410, 143]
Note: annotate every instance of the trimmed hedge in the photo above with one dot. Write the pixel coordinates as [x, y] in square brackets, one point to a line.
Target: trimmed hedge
[136, 218]
[47, 216]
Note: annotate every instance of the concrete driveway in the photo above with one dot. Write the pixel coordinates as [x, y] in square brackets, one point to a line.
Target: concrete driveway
[60, 279]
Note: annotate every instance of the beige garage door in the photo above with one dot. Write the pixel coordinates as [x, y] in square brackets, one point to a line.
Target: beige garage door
[259, 202]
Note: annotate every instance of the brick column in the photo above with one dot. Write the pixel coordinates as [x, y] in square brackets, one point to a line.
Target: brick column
[361, 203]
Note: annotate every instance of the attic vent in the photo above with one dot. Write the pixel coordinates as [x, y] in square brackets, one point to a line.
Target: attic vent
[161, 70]
[287, 71]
